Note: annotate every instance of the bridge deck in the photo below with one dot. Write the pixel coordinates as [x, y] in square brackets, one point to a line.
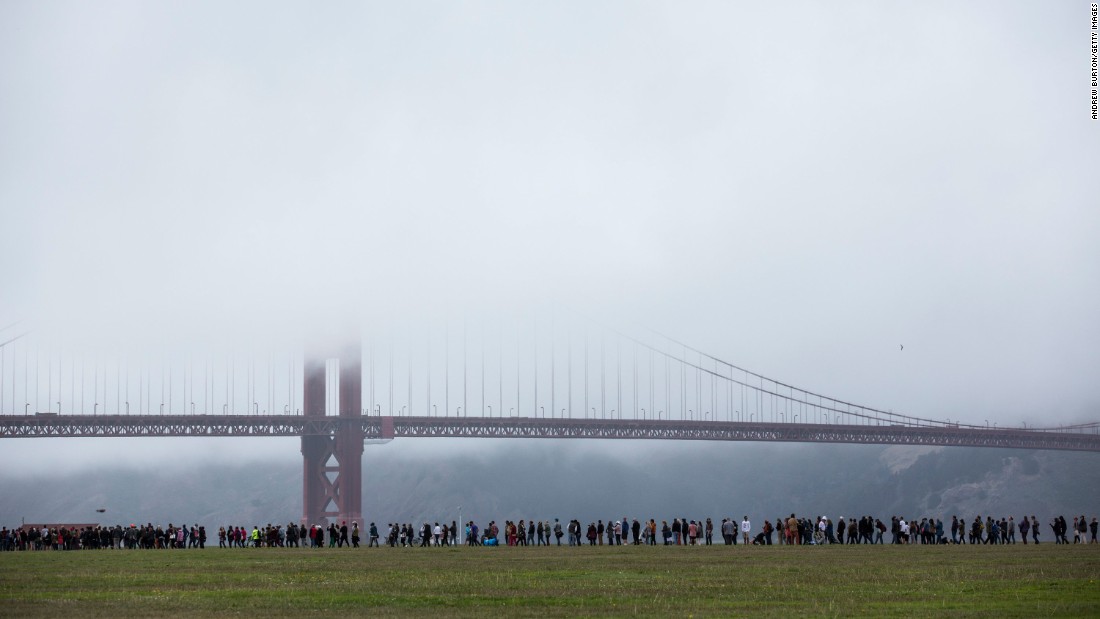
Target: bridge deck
[375, 427]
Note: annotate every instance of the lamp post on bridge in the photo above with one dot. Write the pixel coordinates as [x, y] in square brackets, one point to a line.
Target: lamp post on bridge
[543, 409]
[490, 409]
[643, 413]
[458, 411]
[435, 410]
[593, 412]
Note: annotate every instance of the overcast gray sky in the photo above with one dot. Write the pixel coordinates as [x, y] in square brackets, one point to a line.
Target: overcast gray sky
[797, 187]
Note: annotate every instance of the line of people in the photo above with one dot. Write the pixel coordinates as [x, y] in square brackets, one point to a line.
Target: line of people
[791, 530]
[117, 537]
[291, 536]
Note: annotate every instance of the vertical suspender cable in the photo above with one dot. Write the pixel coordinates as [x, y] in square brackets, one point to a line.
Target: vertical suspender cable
[519, 355]
[569, 368]
[668, 387]
[446, 369]
[389, 397]
[409, 371]
[428, 410]
[500, 370]
[535, 353]
[603, 379]
[482, 330]
[464, 343]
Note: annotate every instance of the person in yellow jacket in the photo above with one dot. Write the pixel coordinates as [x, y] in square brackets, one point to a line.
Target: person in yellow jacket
[256, 536]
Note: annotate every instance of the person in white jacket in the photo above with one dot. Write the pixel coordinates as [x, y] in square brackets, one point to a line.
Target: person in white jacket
[746, 528]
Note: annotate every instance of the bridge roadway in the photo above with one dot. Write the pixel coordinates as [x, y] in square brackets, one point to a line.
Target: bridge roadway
[385, 427]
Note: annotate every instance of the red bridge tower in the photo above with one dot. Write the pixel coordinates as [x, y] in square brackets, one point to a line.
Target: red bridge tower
[332, 476]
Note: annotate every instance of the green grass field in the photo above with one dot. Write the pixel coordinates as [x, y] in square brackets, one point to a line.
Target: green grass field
[879, 581]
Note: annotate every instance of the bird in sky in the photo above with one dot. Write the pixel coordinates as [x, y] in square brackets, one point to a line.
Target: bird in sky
[902, 346]
[101, 509]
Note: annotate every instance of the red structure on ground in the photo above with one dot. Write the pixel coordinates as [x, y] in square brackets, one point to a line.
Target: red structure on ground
[332, 475]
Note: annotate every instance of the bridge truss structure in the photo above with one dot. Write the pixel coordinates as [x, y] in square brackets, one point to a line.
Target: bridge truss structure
[388, 428]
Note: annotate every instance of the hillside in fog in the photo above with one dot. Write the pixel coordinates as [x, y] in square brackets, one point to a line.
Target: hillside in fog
[532, 479]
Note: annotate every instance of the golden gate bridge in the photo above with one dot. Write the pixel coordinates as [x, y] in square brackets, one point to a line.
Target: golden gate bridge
[522, 382]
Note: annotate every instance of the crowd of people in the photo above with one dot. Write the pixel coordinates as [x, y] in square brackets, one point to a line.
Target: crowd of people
[792, 530]
[95, 537]
[868, 530]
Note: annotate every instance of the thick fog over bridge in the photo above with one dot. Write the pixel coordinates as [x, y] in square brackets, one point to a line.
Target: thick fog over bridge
[845, 208]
